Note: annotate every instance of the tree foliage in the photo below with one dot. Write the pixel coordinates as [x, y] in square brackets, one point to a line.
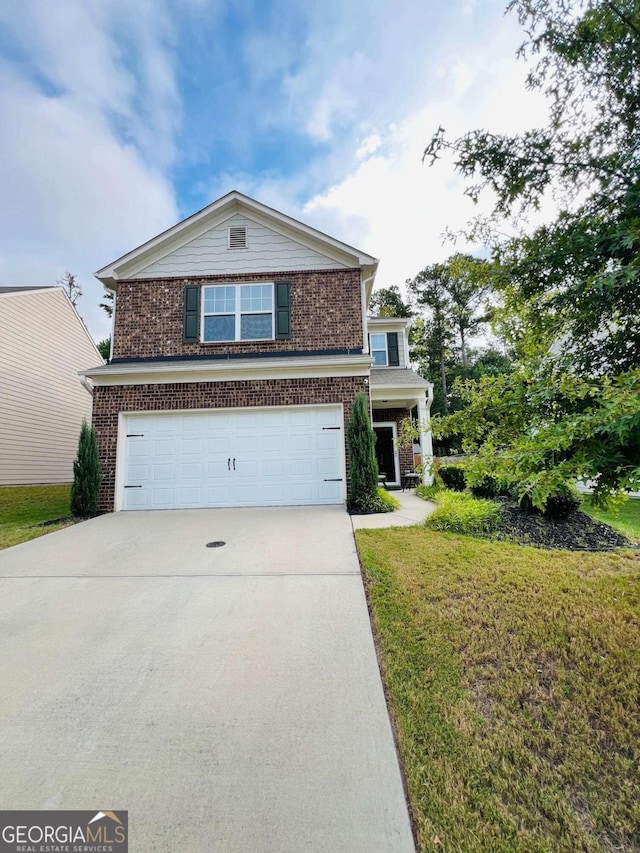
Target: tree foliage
[388, 302]
[72, 287]
[104, 348]
[86, 475]
[107, 305]
[363, 467]
[577, 277]
[570, 293]
[452, 298]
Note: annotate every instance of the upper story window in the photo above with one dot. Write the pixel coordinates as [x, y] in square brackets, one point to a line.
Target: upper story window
[237, 312]
[385, 348]
[379, 350]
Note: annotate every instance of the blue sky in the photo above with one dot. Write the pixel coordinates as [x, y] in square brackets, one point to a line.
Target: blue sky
[123, 116]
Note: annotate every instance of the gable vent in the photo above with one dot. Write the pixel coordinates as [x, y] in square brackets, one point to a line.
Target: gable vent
[238, 237]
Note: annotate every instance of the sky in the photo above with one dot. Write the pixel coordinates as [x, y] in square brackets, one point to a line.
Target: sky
[122, 117]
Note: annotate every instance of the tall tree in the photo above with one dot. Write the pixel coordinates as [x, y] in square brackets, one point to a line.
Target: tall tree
[430, 288]
[577, 277]
[71, 285]
[388, 302]
[468, 284]
[571, 293]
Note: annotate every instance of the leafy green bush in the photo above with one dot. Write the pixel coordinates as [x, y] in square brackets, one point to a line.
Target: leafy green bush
[86, 475]
[487, 487]
[562, 503]
[458, 512]
[428, 493]
[453, 477]
[391, 503]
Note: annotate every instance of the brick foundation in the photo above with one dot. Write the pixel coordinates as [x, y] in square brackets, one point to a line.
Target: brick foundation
[108, 402]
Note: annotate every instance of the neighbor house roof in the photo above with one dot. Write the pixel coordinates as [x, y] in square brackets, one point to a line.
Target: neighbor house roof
[7, 290]
[213, 215]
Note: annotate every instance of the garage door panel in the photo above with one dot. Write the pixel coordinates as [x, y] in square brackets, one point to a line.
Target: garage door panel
[139, 448]
[164, 471]
[329, 492]
[165, 424]
[191, 471]
[328, 466]
[282, 457]
[218, 445]
[163, 447]
[162, 498]
[191, 497]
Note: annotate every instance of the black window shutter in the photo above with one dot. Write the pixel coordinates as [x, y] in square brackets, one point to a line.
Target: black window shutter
[191, 315]
[283, 309]
[392, 349]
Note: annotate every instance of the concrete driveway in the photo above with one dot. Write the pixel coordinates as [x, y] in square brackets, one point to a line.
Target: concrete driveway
[228, 698]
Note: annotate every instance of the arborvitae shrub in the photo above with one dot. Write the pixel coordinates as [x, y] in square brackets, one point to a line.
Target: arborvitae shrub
[86, 475]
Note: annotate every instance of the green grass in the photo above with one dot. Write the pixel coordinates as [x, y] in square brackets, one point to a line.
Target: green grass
[23, 507]
[459, 512]
[627, 520]
[514, 677]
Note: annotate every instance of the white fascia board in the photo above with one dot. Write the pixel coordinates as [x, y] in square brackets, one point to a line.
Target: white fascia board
[406, 392]
[392, 322]
[144, 374]
[214, 214]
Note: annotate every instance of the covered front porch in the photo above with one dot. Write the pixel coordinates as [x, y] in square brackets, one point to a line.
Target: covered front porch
[397, 394]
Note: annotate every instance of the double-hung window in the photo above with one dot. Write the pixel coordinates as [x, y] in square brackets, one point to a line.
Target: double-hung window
[237, 312]
[379, 350]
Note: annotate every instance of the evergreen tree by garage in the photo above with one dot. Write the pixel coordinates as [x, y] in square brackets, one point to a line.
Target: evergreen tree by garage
[361, 439]
[86, 475]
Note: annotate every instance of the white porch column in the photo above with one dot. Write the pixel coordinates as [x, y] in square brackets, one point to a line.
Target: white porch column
[426, 440]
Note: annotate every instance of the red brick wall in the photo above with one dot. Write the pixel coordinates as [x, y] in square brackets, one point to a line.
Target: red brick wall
[405, 454]
[326, 313]
[109, 401]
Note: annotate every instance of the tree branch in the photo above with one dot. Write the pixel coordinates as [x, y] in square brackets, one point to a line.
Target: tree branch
[623, 17]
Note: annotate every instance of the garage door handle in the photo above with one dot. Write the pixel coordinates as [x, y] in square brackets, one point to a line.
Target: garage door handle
[234, 463]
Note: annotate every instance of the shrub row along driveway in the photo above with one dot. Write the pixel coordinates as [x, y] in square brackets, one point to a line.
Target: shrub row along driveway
[229, 697]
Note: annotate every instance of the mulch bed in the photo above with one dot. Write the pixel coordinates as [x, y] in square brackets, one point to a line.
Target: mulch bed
[579, 532]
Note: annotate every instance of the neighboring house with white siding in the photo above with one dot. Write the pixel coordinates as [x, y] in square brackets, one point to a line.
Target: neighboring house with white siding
[43, 345]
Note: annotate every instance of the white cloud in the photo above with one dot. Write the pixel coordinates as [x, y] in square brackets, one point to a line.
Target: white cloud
[396, 208]
[92, 135]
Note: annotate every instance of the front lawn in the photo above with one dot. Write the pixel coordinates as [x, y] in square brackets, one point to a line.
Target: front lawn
[513, 675]
[24, 507]
[627, 520]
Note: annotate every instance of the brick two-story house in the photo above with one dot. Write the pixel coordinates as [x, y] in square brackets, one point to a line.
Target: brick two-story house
[240, 339]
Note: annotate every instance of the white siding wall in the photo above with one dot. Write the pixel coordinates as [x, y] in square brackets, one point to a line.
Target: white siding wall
[266, 251]
[42, 401]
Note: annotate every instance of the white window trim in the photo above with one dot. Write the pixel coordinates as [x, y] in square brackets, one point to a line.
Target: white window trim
[386, 349]
[238, 312]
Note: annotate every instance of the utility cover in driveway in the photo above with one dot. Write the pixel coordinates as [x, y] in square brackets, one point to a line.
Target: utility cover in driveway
[250, 457]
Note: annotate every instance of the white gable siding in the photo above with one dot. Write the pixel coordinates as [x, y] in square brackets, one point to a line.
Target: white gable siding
[266, 251]
[42, 401]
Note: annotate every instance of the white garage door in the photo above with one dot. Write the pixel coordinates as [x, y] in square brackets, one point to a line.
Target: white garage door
[246, 457]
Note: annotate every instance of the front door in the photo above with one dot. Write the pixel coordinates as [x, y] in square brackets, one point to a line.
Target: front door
[386, 453]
